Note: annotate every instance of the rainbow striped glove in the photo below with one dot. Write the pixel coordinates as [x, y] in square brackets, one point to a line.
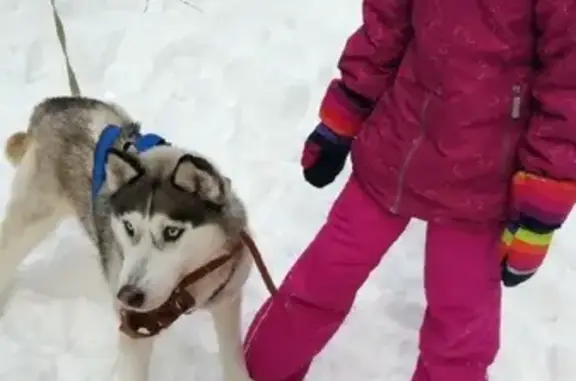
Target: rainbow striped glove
[540, 206]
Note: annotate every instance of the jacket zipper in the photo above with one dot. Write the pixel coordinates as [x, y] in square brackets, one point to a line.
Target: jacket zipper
[415, 145]
[515, 114]
[516, 102]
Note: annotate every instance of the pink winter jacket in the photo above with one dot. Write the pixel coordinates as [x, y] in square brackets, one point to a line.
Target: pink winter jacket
[464, 93]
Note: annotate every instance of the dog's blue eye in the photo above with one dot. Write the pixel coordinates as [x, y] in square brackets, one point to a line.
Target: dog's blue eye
[129, 228]
[172, 233]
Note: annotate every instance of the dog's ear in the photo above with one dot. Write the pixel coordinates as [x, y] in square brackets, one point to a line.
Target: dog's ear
[194, 174]
[121, 169]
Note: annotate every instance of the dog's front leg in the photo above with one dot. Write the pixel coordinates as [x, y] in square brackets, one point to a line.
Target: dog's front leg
[227, 319]
[134, 358]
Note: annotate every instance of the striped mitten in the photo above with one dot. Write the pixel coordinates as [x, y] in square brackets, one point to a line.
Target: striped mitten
[540, 207]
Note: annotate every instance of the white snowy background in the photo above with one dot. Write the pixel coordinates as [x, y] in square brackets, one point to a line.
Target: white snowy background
[239, 80]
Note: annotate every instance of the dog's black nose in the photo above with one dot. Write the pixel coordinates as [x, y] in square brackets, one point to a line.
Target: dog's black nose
[131, 296]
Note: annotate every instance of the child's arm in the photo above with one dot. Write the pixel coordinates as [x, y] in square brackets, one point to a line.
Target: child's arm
[550, 146]
[544, 192]
[367, 65]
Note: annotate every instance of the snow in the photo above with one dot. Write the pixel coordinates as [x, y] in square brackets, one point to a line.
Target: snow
[241, 82]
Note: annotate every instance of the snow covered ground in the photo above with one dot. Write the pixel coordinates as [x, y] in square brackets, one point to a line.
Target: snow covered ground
[239, 80]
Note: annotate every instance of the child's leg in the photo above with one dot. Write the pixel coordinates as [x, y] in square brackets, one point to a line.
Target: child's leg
[318, 292]
[459, 338]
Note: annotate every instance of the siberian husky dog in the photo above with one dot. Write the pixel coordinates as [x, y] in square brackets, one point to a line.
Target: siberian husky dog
[160, 214]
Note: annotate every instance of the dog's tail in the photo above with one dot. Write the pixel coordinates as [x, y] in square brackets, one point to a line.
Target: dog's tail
[16, 147]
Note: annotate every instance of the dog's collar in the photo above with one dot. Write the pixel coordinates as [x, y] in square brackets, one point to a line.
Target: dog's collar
[106, 141]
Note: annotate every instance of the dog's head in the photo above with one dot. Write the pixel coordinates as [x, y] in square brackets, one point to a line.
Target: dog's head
[171, 212]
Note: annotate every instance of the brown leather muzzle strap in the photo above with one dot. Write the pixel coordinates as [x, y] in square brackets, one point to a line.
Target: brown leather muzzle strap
[146, 324]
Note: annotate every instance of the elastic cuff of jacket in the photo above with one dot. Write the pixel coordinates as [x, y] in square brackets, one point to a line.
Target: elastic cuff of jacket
[546, 200]
[327, 134]
[342, 114]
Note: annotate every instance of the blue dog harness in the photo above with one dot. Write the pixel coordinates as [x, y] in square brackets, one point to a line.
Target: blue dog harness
[106, 141]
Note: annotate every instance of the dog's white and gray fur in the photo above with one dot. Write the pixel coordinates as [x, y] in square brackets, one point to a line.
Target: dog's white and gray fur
[150, 231]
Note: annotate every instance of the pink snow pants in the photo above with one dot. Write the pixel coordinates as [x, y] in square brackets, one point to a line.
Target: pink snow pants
[459, 337]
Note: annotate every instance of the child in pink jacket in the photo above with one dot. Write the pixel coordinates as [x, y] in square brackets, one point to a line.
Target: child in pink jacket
[463, 114]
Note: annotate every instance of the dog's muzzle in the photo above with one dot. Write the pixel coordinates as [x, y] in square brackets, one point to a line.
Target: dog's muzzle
[149, 323]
